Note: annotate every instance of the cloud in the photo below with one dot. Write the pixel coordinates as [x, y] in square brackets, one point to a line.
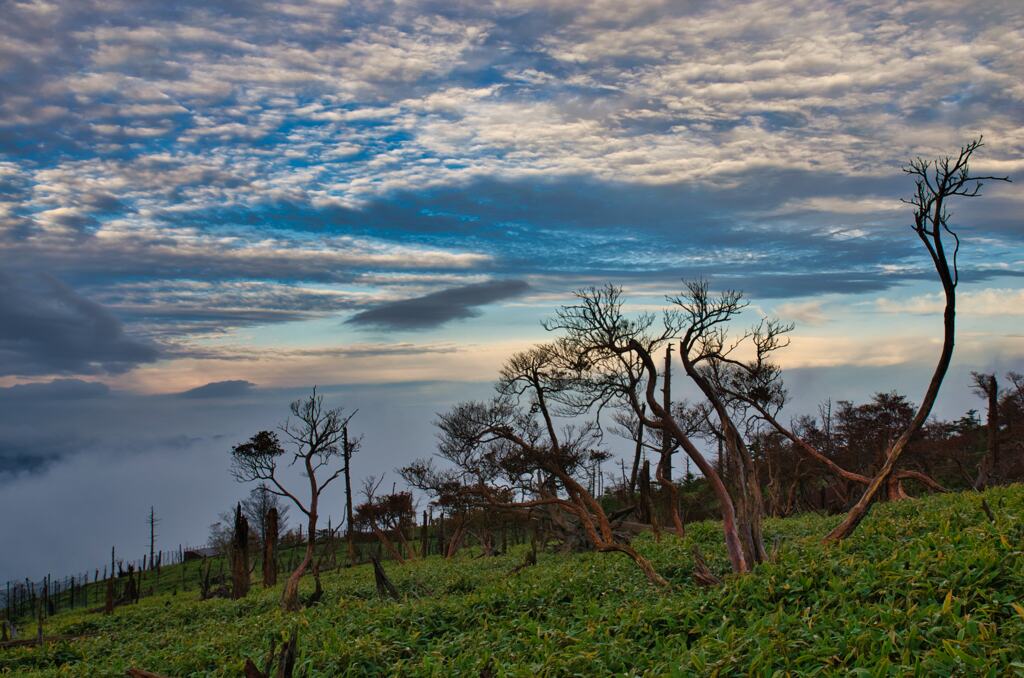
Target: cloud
[58, 389]
[984, 302]
[805, 313]
[49, 329]
[202, 169]
[231, 388]
[437, 308]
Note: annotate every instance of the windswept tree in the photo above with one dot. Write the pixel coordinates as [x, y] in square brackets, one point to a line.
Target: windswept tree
[530, 447]
[313, 432]
[938, 183]
[616, 355]
[755, 388]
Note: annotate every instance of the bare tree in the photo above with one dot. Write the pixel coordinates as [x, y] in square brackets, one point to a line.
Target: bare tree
[349, 447]
[153, 520]
[938, 182]
[314, 433]
[617, 351]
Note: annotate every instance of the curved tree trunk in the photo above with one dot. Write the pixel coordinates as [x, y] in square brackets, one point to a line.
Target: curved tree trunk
[732, 540]
[881, 479]
[290, 595]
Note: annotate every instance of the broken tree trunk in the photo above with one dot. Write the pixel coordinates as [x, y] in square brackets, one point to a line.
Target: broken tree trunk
[285, 660]
[270, 549]
[384, 585]
[240, 556]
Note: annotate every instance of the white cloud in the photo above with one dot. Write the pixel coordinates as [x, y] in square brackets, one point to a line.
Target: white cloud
[804, 313]
[984, 302]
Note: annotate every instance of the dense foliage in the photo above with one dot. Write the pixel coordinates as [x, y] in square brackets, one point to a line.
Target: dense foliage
[926, 587]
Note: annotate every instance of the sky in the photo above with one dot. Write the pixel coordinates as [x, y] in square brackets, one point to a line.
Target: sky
[208, 207]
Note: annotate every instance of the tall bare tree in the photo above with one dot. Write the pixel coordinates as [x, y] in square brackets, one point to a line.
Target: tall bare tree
[349, 446]
[314, 432]
[937, 182]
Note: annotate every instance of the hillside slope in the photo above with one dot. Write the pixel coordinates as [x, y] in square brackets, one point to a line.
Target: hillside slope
[925, 587]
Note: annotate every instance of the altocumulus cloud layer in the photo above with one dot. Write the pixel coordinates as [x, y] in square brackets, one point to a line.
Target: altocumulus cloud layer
[198, 167]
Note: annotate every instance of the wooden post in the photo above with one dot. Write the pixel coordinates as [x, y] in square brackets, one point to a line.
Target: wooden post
[39, 624]
[108, 605]
[424, 537]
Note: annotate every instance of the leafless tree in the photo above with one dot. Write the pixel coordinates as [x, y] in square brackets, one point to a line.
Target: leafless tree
[616, 352]
[350, 445]
[757, 384]
[938, 182]
[314, 432]
[271, 524]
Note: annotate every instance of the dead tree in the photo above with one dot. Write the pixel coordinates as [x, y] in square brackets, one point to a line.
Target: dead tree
[258, 504]
[616, 354]
[938, 182]
[270, 536]
[384, 585]
[349, 447]
[108, 603]
[240, 556]
[283, 660]
[152, 537]
[314, 433]
[756, 385]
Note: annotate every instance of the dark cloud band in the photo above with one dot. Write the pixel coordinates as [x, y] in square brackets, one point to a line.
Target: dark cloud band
[437, 308]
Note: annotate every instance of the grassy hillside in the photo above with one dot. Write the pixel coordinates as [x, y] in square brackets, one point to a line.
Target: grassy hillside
[925, 587]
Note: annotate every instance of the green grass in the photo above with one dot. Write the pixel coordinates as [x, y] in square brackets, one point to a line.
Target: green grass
[925, 587]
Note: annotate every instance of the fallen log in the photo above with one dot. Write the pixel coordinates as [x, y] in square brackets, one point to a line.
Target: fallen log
[140, 673]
